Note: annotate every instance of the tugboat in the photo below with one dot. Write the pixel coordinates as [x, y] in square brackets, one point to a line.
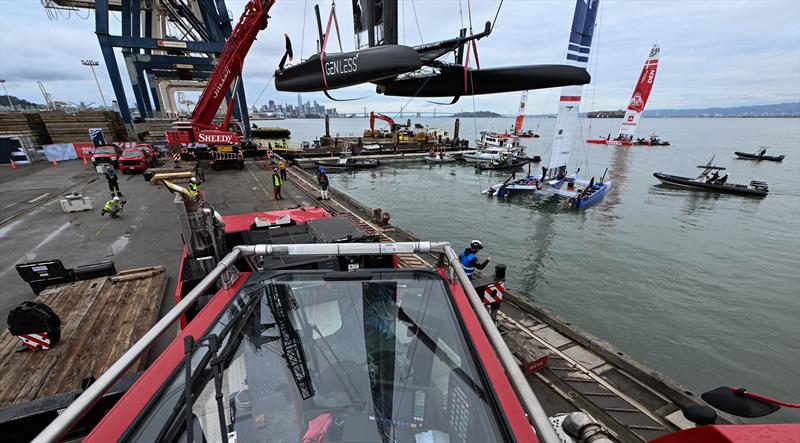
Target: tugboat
[710, 180]
[760, 155]
[345, 162]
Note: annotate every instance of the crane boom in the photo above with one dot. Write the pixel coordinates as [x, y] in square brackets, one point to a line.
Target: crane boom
[229, 67]
[387, 119]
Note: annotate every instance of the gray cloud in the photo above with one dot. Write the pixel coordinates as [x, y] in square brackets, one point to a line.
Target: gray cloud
[714, 53]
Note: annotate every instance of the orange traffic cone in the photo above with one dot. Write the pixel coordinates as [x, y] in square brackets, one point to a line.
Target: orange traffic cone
[55, 163]
[13, 165]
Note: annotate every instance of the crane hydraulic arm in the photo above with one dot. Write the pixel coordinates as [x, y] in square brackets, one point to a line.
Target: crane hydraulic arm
[229, 67]
[387, 119]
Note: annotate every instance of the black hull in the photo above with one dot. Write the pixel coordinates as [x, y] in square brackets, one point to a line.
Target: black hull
[450, 81]
[748, 156]
[348, 69]
[727, 188]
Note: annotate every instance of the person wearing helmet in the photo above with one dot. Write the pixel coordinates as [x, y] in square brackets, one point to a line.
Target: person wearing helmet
[322, 178]
[276, 185]
[469, 258]
[193, 188]
[113, 207]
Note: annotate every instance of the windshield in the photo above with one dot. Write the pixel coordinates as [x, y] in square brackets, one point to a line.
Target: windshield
[105, 151]
[376, 360]
[132, 153]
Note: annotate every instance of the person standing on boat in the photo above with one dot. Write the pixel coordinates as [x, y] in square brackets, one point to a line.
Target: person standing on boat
[276, 185]
[469, 258]
[322, 178]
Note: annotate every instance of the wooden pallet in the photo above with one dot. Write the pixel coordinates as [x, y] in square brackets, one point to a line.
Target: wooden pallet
[100, 319]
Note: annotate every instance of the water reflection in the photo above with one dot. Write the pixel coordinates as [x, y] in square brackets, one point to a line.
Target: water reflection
[618, 172]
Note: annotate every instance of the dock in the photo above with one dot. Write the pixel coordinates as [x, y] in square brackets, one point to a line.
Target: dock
[100, 319]
[582, 372]
[388, 158]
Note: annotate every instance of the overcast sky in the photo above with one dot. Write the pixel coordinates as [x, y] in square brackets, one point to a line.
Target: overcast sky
[713, 53]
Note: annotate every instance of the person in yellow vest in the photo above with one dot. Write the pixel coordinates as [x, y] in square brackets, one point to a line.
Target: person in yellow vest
[282, 167]
[276, 185]
[113, 207]
[194, 188]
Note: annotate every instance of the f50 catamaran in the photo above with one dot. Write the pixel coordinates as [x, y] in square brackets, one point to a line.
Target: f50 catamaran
[554, 178]
[635, 108]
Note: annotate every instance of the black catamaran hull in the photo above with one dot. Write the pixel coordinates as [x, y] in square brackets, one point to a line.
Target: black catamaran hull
[749, 156]
[450, 81]
[728, 188]
[347, 69]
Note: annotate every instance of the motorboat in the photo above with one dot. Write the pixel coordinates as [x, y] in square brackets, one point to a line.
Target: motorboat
[489, 154]
[710, 180]
[509, 163]
[439, 157]
[760, 155]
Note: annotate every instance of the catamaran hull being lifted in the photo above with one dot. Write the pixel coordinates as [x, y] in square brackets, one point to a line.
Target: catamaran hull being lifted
[452, 82]
[347, 69]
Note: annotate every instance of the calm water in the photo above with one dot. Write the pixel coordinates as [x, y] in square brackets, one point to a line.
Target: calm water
[704, 288]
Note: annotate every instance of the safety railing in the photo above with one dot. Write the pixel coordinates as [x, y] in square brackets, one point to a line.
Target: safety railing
[536, 414]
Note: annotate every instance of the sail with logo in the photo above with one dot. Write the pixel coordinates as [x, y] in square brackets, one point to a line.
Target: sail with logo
[633, 114]
[555, 179]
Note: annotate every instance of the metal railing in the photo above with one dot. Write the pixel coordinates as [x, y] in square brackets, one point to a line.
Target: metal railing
[536, 414]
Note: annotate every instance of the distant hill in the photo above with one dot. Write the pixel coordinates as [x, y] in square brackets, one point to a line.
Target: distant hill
[483, 114]
[776, 110]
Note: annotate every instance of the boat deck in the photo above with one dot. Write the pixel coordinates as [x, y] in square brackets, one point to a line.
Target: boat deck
[100, 319]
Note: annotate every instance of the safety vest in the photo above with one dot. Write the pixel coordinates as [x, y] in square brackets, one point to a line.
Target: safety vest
[193, 188]
[276, 180]
[466, 260]
[109, 206]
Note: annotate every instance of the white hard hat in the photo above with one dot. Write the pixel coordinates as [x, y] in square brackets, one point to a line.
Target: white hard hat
[476, 244]
[192, 179]
[116, 198]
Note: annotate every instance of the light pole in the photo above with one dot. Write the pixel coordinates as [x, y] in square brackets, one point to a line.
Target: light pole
[3, 82]
[92, 64]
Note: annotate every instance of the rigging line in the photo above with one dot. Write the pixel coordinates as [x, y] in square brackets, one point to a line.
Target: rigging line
[496, 14]
[303, 33]
[596, 60]
[414, 7]
[461, 14]
[264, 89]
[412, 98]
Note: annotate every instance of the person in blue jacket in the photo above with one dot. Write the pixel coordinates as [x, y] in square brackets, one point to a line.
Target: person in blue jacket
[469, 258]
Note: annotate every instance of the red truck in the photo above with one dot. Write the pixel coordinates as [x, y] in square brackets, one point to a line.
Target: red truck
[106, 155]
[137, 159]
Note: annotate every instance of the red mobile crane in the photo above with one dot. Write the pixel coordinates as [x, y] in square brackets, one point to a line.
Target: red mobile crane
[201, 128]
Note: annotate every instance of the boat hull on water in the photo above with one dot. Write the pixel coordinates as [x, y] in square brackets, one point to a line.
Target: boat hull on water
[749, 156]
[359, 164]
[439, 159]
[484, 166]
[576, 199]
[605, 141]
[756, 189]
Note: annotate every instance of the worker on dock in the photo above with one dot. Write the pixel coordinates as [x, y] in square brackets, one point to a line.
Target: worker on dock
[282, 168]
[276, 185]
[113, 207]
[469, 258]
[322, 178]
[113, 181]
[194, 188]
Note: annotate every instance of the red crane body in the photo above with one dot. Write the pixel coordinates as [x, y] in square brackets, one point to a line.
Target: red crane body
[201, 127]
[387, 119]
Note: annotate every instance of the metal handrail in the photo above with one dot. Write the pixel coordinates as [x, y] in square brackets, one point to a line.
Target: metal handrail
[70, 416]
